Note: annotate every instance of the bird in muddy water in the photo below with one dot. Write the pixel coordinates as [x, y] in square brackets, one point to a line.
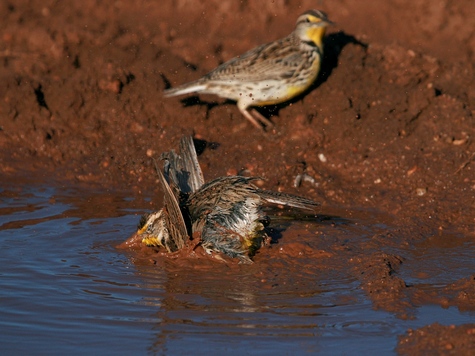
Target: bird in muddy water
[226, 213]
[269, 74]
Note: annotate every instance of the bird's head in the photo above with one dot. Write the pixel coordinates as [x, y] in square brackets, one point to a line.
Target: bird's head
[153, 229]
[311, 27]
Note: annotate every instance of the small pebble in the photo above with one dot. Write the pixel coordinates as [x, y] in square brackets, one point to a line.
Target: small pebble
[421, 191]
[322, 157]
[449, 346]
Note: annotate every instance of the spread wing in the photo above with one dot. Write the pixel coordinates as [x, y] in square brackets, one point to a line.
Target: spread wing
[191, 164]
[176, 223]
[184, 169]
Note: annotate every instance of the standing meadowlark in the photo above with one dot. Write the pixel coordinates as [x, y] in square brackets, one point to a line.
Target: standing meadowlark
[269, 74]
[226, 212]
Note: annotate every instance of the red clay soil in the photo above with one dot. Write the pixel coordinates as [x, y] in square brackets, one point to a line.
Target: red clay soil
[388, 126]
[436, 339]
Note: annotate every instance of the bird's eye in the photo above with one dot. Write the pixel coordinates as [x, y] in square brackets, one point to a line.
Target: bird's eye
[142, 222]
[307, 20]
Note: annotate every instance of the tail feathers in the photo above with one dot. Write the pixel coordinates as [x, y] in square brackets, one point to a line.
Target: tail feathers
[192, 87]
[288, 199]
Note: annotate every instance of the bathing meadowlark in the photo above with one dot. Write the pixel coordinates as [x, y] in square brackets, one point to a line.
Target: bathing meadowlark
[269, 74]
[226, 212]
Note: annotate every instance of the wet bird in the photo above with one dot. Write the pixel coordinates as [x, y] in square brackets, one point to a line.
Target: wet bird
[269, 74]
[226, 212]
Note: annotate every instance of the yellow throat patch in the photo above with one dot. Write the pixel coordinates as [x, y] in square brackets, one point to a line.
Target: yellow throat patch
[316, 35]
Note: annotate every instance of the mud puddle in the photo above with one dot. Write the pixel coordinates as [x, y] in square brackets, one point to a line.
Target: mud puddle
[66, 287]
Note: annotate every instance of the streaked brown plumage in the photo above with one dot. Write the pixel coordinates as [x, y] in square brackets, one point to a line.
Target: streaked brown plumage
[269, 74]
[226, 212]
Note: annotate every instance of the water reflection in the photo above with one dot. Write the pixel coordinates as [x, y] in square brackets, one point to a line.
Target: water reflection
[65, 287]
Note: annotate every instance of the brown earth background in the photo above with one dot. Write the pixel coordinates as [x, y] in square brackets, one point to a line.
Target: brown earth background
[389, 124]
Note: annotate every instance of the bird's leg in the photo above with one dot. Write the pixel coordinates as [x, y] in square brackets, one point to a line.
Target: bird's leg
[248, 116]
[264, 120]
